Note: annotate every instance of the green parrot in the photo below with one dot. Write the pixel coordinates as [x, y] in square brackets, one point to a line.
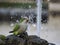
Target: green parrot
[20, 27]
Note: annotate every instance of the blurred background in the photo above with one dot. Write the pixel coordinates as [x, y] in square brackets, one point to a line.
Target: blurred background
[11, 11]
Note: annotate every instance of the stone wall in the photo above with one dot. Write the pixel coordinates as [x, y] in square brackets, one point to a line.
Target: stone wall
[54, 7]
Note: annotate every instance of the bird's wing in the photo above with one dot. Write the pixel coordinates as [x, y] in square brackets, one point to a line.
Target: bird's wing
[16, 27]
[21, 20]
[26, 27]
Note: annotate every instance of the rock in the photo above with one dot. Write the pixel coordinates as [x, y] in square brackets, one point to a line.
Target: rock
[24, 39]
[34, 40]
[24, 35]
[2, 42]
[51, 44]
[14, 40]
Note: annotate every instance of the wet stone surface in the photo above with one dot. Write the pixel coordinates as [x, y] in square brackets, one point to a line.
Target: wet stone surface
[24, 39]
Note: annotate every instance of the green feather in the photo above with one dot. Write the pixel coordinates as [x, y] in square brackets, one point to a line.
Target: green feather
[21, 20]
[15, 33]
[16, 27]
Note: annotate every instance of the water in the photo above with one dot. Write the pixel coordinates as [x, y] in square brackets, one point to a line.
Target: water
[5, 27]
[39, 11]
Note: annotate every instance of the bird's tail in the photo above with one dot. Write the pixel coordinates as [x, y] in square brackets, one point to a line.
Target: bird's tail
[11, 31]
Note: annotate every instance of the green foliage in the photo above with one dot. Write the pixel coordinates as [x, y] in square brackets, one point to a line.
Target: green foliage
[17, 5]
[2, 37]
[44, 5]
[22, 5]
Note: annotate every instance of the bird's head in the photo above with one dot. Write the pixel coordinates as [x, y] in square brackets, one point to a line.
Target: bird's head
[24, 19]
